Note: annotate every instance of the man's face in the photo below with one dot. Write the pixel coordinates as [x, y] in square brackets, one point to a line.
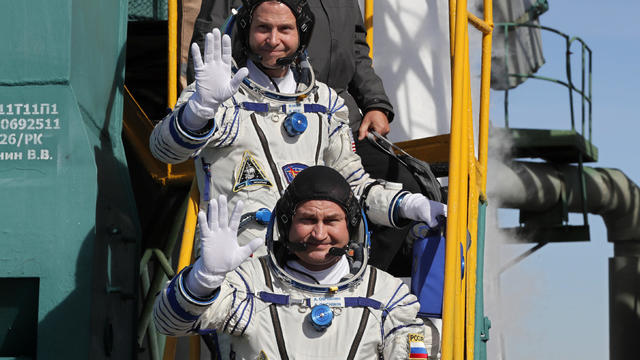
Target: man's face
[273, 35]
[321, 224]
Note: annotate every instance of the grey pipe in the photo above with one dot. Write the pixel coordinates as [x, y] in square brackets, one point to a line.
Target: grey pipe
[537, 187]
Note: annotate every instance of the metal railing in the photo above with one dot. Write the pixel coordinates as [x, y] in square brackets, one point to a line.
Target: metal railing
[465, 329]
[585, 89]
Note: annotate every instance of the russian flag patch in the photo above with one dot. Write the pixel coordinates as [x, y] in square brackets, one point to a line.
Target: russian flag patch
[353, 141]
[417, 349]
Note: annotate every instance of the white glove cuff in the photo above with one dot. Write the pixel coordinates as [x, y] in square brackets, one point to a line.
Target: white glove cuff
[410, 207]
[196, 116]
[200, 282]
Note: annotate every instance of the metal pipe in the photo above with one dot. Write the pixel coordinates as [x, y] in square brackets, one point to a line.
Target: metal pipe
[537, 187]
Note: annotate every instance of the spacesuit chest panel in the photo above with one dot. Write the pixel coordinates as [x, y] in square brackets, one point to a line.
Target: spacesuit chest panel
[302, 340]
[268, 153]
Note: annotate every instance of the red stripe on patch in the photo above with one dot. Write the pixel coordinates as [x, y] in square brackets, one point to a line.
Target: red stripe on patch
[418, 356]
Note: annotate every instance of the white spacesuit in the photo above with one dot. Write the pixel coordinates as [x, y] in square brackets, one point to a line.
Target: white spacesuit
[249, 140]
[276, 309]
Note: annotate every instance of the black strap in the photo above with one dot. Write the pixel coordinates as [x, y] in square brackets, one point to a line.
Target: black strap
[319, 138]
[274, 312]
[365, 194]
[365, 315]
[267, 152]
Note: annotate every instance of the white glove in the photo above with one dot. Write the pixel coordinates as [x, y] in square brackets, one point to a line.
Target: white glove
[214, 83]
[219, 250]
[417, 207]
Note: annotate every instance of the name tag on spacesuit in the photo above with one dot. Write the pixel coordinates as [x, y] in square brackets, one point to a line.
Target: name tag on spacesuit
[329, 301]
[291, 108]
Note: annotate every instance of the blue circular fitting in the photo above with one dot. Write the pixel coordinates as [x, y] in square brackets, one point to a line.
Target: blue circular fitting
[321, 317]
[295, 123]
[263, 215]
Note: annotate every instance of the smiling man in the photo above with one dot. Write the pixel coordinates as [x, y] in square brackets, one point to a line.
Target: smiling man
[273, 35]
[312, 297]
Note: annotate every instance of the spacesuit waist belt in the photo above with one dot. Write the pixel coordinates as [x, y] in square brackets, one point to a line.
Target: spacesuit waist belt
[286, 108]
[351, 301]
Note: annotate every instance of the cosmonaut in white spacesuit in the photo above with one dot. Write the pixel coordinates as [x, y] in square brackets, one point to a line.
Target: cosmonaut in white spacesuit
[313, 296]
[252, 130]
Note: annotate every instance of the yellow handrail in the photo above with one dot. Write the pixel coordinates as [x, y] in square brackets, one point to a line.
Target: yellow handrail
[172, 76]
[184, 259]
[368, 24]
[467, 182]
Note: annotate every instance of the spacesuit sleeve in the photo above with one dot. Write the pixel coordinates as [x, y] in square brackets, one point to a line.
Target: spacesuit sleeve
[405, 335]
[381, 198]
[172, 143]
[178, 313]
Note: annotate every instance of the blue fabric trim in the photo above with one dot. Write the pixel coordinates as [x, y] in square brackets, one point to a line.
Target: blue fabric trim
[274, 298]
[164, 309]
[329, 103]
[206, 168]
[159, 324]
[352, 301]
[174, 131]
[393, 306]
[335, 130]
[332, 106]
[394, 295]
[226, 127]
[235, 124]
[193, 136]
[252, 106]
[246, 284]
[338, 109]
[192, 298]
[166, 325]
[353, 173]
[246, 302]
[391, 212]
[362, 302]
[264, 107]
[395, 206]
[175, 305]
[315, 108]
[361, 176]
[165, 149]
[250, 316]
[159, 150]
[226, 324]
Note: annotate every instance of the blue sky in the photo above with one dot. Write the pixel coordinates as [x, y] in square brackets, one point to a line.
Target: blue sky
[556, 300]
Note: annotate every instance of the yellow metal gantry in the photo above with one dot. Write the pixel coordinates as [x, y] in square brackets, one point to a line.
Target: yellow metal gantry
[467, 179]
[467, 182]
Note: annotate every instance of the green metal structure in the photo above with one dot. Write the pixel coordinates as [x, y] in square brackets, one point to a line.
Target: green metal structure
[70, 232]
[567, 146]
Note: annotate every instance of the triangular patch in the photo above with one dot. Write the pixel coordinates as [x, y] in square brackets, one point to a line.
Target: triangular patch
[250, 173]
